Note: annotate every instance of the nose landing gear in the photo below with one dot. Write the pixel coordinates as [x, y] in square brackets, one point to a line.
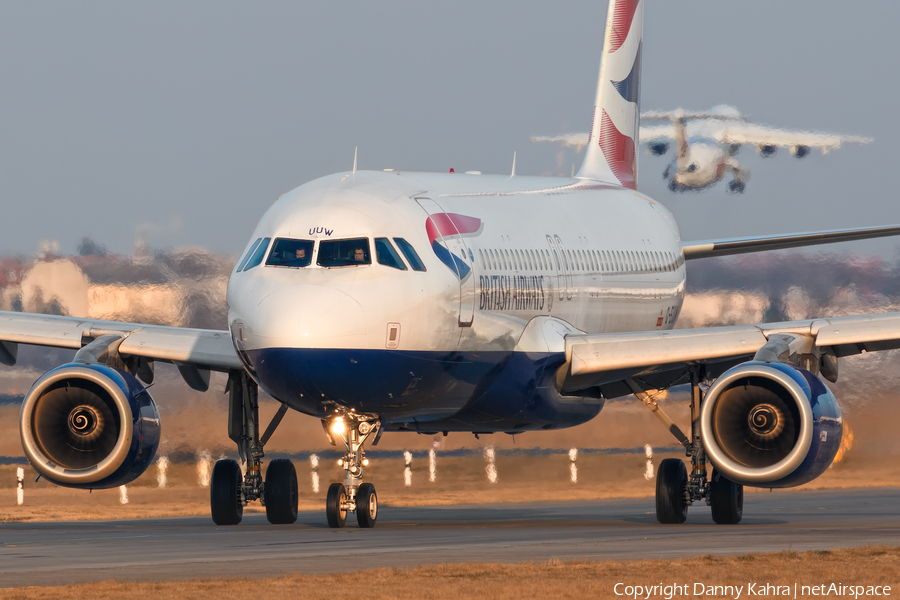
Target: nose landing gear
[352, 496]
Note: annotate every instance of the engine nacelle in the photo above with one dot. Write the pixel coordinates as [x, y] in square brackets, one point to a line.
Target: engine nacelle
[658, 148]
[89, 426]
[770, 425]
[800, 151]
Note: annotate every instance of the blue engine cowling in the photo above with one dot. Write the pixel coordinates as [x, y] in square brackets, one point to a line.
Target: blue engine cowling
[770, 425]
[89, 426]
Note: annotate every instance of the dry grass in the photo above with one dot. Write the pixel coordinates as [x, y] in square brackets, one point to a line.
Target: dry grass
[552, 579]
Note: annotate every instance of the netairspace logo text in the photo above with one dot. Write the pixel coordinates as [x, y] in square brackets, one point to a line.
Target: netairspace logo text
[749, 590]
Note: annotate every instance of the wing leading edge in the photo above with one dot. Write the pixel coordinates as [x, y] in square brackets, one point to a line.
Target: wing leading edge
[727, 247]
[663, 358]
[200, 348]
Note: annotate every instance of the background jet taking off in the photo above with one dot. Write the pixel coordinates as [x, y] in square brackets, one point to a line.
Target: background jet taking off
[706, 144]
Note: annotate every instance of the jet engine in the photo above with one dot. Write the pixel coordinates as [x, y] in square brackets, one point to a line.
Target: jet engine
[658, 148]
[767, 150]
[800, 151]
[770, 425]
[89, 426]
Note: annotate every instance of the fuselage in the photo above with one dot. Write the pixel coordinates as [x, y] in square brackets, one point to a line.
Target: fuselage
[703, 166]
[441, 301]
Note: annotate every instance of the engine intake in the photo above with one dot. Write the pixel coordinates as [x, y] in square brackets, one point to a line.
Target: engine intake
[770, 425]
[89, 426]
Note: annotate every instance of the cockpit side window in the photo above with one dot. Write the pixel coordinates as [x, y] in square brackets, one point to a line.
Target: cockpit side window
[410, 253]
[290, 253]
[247, 256]
[258, 255]
[344, 253]
[386, 255]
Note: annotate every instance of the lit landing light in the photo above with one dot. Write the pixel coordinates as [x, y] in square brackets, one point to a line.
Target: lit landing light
[338, 427]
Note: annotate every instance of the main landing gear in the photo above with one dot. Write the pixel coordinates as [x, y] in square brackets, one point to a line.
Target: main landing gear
[675, 490]
[229, 490]
[352, 496]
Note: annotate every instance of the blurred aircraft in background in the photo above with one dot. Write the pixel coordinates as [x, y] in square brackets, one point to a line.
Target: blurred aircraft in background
[706, 144]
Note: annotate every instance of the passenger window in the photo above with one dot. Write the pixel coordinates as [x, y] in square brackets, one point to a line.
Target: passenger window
[410, 253]
[386, 255]
[247, 256]
[290, 253]
[258, 255]
[344, 253]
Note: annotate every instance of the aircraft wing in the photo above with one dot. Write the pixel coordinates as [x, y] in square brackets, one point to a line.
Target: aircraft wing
[661, 358]
[580, 140]
[575, 140]
[198, 348]
[762, 135]
[657, 132]
[727, 247]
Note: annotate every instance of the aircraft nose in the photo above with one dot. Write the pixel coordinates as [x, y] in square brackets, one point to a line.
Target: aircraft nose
[308, 316]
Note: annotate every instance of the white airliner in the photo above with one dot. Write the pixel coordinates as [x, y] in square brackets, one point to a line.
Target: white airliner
[706, 143]
[424, 302]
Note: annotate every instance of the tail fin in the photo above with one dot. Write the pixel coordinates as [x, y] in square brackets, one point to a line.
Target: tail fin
[611, 151]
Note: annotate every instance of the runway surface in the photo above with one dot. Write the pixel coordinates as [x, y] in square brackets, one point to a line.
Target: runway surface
[190, 547]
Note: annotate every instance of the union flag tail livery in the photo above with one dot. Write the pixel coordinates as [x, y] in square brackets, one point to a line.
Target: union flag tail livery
[611, 152]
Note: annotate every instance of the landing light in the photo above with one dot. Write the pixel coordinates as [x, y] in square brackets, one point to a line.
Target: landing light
[365, 462]
[338, 427]
[340, 462]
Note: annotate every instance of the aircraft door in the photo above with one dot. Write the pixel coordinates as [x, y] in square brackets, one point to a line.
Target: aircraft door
[445, 231]
[557, 262]
[567, 268]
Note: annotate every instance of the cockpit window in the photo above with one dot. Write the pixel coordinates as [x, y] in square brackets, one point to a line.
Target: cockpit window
[258, 255]
[344, 253]
[410, 253]
[386, 255]
[290, 253]
[247, 256]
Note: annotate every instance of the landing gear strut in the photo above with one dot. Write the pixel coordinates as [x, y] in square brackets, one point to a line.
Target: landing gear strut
[229, 490]
[675, 490]
[352, 496]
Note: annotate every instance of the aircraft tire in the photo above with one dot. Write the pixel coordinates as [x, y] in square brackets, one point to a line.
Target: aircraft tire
[281, 492]
[366, 506]
[726, 499]
[337, 495]
[671, 481]
[225, 493]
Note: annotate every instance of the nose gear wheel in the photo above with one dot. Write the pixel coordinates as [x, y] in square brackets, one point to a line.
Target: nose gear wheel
[352, 496]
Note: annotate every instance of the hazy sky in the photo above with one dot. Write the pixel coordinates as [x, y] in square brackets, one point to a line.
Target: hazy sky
[182, 121]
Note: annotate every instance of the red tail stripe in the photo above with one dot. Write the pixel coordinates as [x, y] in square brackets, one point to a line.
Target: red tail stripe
[623, 17]
[618, 149]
